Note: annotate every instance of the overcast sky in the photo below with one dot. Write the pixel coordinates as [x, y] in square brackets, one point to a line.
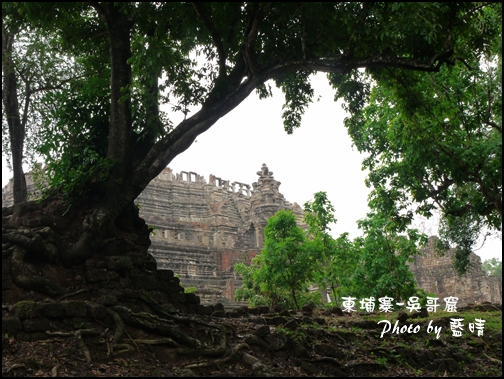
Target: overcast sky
[317, 157]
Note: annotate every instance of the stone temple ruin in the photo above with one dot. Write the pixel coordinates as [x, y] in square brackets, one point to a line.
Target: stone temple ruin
[435, 274]
[202, 229]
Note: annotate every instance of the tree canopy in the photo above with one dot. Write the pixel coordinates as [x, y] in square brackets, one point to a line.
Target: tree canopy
[434, 141]
[110, 132]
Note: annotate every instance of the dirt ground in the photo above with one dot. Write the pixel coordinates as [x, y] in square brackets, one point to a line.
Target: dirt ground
[286, 343]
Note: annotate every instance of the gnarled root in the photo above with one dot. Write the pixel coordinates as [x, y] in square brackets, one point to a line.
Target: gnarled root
[210, 352]
[160, 341]
[37, 240]
[155, 324]
[78, 339]
[234, 351]
[258, 368]
[35, 283]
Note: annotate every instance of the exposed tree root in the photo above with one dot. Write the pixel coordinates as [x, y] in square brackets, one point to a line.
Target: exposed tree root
[16, 366]
[78, 339]
[223, 324]
[35, 283]
[59, 334]
[82, 345]
[119, 327]
[254, 340]
[258, 368]
[37, 241]
[155, 324]
[131, 339]
[493, 359]
[144, 295]
[73, 293]
[493, 306]
[335, 335]
[210, 352]
[125, 348]
[54, 371]
[234, 351]
[184, 344]
[161, 341]
[324, 359]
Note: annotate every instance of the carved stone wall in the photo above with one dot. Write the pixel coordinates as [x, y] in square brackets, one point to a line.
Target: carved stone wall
[203, 229]
[435, 274]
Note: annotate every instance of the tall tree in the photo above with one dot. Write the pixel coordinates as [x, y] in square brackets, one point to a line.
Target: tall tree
[318, 215]
[16, 126]
[382, 269]
[286, 260]
[336, 259]
[31, 67]
[207, 58]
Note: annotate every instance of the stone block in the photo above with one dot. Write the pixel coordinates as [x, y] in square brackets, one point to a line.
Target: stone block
[52, 310]
[97, 275]
[11, 325]
[329, 351]
[75, 308]
[119, 263]
[276, 321]
[277, 341]
[191, 298]
[164, 275]
[177, 298]
[96, 311]
[26, 309]
[36, 325]
[108, 300]
[145, 282]
[263, 331]
[204, 310]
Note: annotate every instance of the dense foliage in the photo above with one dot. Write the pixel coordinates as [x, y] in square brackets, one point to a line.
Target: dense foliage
[336, 258]
[292, 260]
[434, 141]
[286, 260]
[383, 257]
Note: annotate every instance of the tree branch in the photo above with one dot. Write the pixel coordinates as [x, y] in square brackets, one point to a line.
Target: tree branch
[25, 111]
[186, 132]
[494, 125]
[207, 21]
[303, 27]
[51, 87]
[488, 111]
[255, 18]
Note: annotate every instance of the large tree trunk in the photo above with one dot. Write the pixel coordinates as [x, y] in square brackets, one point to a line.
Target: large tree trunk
[118, 194]
[11, 109]
[38, 251]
